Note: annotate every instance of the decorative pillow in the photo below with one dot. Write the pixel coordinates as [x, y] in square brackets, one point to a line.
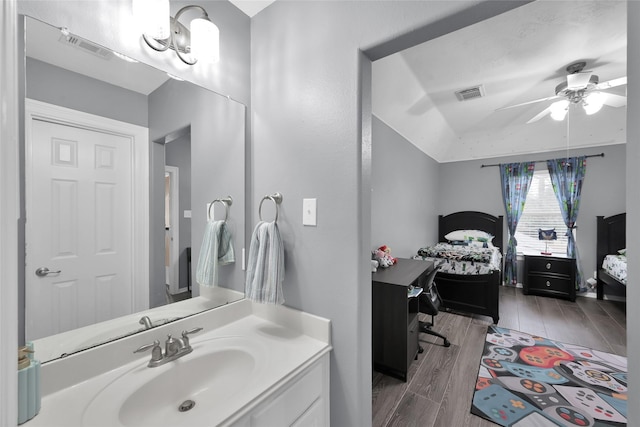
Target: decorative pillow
[623, 252]
[459, 243]
[469, 235]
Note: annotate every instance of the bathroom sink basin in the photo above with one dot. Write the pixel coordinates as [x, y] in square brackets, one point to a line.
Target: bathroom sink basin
[186, 391]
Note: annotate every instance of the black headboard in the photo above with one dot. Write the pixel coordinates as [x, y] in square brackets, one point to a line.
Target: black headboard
[470, 220]
[611, 236]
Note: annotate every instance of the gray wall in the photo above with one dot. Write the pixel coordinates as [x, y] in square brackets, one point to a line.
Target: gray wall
[311, 138]
[603, 192]
[55, 85]
[404, 193]
[178, 154]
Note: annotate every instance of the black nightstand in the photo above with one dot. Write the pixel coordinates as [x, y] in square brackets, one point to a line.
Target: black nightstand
[550, 275]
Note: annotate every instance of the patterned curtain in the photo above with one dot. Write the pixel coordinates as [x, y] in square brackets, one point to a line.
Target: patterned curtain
[567, 177]
[516, 180]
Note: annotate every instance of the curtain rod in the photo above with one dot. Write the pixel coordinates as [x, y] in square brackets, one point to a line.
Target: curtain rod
[539, 161]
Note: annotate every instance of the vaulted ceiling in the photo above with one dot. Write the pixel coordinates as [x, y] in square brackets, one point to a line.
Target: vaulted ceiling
[517, 57]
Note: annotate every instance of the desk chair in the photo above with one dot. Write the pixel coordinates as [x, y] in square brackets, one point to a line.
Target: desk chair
[430, 303]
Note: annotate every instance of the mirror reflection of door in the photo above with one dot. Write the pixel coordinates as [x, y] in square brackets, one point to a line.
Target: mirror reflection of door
[79, 184]
[177, 214]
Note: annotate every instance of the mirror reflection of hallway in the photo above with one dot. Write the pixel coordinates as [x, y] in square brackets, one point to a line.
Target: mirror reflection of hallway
[177, 214]
[172, 228]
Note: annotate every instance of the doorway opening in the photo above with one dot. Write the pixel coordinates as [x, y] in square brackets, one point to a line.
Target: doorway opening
[177, 214]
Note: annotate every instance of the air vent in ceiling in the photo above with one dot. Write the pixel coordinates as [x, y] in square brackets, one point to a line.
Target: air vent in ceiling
[86, 46]
[470, 93]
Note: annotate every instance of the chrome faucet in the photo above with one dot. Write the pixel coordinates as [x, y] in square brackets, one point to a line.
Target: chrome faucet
[173, 348]
[146, 322]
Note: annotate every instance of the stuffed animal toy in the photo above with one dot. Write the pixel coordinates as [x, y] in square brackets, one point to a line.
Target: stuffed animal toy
[383, 256]
[387, 250]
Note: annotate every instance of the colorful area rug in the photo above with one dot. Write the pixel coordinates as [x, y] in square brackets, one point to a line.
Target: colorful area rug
[526, 380]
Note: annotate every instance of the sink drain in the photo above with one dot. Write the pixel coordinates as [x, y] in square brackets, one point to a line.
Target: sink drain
[186, 405]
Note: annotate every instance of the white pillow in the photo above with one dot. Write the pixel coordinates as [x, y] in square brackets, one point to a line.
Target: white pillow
[469, 235]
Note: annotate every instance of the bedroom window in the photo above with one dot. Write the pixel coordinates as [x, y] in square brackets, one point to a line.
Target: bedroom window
[541, 210]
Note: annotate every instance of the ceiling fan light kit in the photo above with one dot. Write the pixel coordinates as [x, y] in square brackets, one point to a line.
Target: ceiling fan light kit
[593, 102]
[581, 88]
[559, 110]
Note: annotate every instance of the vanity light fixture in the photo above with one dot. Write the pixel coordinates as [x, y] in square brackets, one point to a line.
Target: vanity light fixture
[161, 31]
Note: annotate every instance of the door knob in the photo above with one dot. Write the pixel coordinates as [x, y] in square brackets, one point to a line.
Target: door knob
[43, 271]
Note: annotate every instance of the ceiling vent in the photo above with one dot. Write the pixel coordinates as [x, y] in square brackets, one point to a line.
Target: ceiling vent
[86, 46]
[470, 93]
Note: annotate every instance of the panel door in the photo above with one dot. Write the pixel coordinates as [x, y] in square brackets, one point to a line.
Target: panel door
[79, 222]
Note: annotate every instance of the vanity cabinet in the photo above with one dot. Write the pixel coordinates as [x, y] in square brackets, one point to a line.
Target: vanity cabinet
[302, 401]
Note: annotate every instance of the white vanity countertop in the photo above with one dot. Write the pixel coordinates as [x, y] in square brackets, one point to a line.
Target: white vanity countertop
[286, 340]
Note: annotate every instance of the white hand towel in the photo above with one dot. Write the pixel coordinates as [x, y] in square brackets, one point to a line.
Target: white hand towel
[265, 269]
[216, 250]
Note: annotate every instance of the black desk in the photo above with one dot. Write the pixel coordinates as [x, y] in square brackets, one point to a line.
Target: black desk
[395, 316]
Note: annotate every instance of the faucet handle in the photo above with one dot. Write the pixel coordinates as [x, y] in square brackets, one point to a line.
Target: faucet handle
[185, 338]
[191, 331]
[156, 350]
[146, 347]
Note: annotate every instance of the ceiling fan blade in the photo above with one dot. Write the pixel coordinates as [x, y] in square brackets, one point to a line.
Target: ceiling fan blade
[578, 81]
[611, 83]
[530, 102]
[613, 100]
[540, 115]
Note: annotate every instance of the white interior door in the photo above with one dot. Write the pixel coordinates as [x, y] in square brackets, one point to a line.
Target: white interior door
[79, 227]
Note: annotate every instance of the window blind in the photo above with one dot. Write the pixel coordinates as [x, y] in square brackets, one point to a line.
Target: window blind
[541, 210]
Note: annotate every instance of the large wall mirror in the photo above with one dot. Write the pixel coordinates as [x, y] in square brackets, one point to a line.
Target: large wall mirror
[124, 167]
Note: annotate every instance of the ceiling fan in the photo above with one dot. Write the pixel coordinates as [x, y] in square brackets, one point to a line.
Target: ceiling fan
[581, 88]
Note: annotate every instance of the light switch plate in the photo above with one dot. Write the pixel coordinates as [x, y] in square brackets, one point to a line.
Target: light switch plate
[309, 212]
[187, 214]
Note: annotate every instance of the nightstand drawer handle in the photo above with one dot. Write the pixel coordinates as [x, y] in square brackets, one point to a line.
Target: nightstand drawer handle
[548, 283]
[548, 266]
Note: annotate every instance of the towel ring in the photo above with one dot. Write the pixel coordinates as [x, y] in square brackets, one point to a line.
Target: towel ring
[226, 202]
[275, 198]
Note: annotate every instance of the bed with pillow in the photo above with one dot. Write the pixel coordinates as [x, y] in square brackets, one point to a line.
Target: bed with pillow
[469, 258]
[611, 255]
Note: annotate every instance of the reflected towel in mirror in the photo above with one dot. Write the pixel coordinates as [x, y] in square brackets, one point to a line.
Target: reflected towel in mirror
[265, 267]
[216, 250]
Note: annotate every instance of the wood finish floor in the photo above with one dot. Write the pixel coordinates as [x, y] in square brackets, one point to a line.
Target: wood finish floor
[440, 383]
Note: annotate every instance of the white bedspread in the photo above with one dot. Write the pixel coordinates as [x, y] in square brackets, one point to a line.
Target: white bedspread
[464, 260]
[616, 266]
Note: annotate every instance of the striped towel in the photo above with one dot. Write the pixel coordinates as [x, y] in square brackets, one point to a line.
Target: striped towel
[216, 250]
[265, 269]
